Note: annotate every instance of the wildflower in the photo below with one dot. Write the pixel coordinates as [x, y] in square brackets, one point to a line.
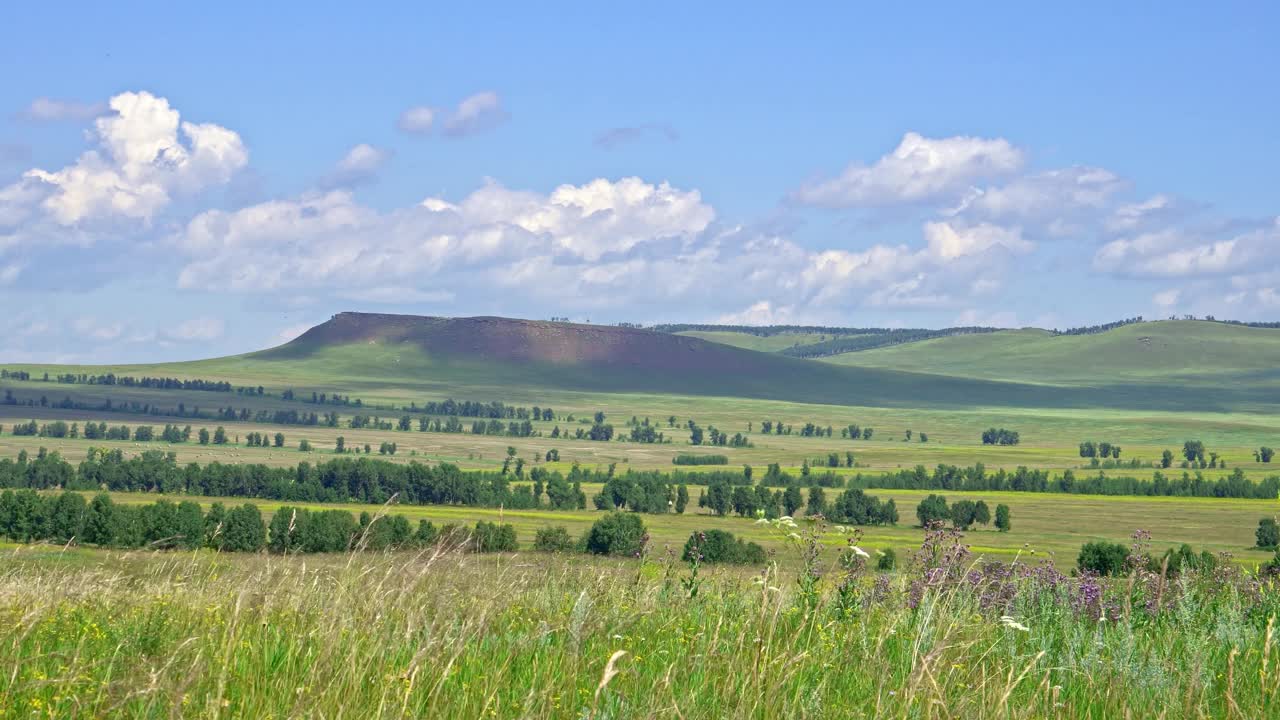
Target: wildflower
[859, 551]
[1013, 624]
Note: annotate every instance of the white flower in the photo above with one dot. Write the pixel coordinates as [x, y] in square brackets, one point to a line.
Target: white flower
[762, 521]
[1013, 624]
[859, 552]
[794, 536]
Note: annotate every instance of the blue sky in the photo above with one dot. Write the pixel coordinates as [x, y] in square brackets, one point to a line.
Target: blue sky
[178, 182]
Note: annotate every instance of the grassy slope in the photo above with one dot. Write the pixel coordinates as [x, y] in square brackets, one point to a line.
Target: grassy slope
[765, 343]
[1172, 353]
[889, 378]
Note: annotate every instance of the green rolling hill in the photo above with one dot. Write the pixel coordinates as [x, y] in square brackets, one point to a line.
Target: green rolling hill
[1195, 356]
[1153, 366]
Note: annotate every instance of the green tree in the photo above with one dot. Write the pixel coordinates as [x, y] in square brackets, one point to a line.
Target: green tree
[817, 501]
[214, 526]
[1002, 518]
[553, 539]
[284, 534]
[617, 533]
[220, 436]
[491, 537]
[682, 498]
[1268, 534]
[792, 499]
[963, 514]
[1166, 459]
[65, 517]
[981, 513]
[243, 529]
[932, 509]
[718, 498]
[100, 521]
[718, 546]
[279, 440]
[204, 436]
[189, 524]
[1102, 557]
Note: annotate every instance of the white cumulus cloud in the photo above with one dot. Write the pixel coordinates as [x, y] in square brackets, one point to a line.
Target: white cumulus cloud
[145, 155]
[920, 169]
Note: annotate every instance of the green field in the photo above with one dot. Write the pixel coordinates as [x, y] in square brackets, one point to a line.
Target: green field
[1199, 356]
[528, 635]
[1045, 526]
[814, 633]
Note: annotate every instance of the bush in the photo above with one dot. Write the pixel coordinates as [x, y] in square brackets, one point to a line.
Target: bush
[243, 529]
[1268, 534]
[617, 534]
[718, 546]
[887, 561]
[553, 539]
[1184, 559]
[491, 537]
[1103, 558]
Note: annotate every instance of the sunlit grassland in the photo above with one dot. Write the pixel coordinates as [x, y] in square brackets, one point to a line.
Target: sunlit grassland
[97, 634]
[1044, 526]
[1049, 440]
[1197, 355]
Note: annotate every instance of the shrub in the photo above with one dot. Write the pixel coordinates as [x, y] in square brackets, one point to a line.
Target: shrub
[617, 534]
[1103, 558]
[1268, 534]
[887, 561]
[718, 546]
[243, 529]
[553, 539]
[1184, 559]
[427, 534]
[491, 537]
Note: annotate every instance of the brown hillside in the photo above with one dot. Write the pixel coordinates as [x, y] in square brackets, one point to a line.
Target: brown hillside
[532, 341]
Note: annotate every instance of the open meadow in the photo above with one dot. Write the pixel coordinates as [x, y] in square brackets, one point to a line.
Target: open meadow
[839, 609]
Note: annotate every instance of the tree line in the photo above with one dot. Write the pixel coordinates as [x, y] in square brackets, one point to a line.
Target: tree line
[363, 479]
[963, 513]
[27, 516]
[1000, 436]
[493, 409]
[1090, 449]
[155, 383]
[977, 479]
